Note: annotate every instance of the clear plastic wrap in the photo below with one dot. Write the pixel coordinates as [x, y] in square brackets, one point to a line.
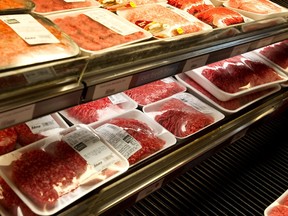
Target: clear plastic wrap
[103, 30]
[164, 21]
[16, 6]
[8, 140]
[134, 135]
[154, 91]
[237, 76]
[99, 109]
[53, 172]
[183, 114]
[192, 6]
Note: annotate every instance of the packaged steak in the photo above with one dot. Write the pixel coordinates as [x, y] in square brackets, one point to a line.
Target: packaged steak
[237, 76]
[99, 109]
[227, 107]
[183, 114]
[192, 6]
[164, 21]
[39, 128]
[59, 6]
[279, 207]
[134, 135]
[103, 30]
[256, 9]
[8, 140]
[154, 91]
[16, 6]
[55, 171]
[43, 42]
[10, 203]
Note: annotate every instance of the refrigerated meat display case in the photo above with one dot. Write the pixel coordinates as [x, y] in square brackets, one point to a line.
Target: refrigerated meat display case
[53, 86]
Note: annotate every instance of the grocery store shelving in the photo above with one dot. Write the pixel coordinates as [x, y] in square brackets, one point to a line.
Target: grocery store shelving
[92, 77]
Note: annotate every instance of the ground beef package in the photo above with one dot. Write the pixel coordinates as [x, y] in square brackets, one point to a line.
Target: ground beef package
[134, 135]
[228, 107]
[237, 76]
[183, 114]
[279, 207]
[55, 171]
[154, 91]
[99, 109]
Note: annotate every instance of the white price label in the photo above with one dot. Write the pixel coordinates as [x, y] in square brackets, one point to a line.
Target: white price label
[91, 148]
[15, 116]
[195, 63]
[193, 102]
[42, 124]
[149, 190]
[237, 50]
[36, 34]
[119, 139]
[117, 98]
[167, 80]
[112, 22]
[111, 87]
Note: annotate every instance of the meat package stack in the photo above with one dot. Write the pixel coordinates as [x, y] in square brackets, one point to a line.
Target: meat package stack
[234, 83]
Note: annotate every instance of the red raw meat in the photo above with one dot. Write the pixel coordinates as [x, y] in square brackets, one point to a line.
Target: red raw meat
[88, 112]
[239, 73]
[143, 134]
[199, 8]
[154, 91]
[38, 172]
[220, 17]
[277, 53]
[56, 5]
[8, 139]
[278, 210]
[181, 119]
[255, 6]
[25, 135]
[10, 201]
[232, 104]
[93, 35]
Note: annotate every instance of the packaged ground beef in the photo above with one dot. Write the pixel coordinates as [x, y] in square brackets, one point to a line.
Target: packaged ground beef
[99, 109]
[154, 91]
[55, 171]
[279, 207]
[8, 140]
[16, 6]
[134, 135]
[237, 76]
[103, 30]
[182, 114]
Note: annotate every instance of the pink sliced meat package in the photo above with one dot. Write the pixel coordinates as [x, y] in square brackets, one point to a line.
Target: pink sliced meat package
[164, 21]
[53, 172]
[279, 207]
[154, 91]
[99, 109]
[183, 114]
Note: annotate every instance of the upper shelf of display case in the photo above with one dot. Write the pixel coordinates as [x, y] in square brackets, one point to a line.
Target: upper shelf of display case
[36, 90]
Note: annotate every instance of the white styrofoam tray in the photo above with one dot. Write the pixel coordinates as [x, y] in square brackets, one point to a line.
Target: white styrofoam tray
[196, 75]
[277, 202]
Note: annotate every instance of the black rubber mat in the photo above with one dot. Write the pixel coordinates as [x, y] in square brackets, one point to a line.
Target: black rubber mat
[243, 178]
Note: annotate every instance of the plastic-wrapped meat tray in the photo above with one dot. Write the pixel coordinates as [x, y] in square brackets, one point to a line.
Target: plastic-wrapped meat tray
[16, 52]
[99, 109]
[59, 6]
[103, 30]
[154, 91]
[113, 5]
[257, 9]
[279, 207]
[164, 21]
[227, 107]
[237, 76]
[183, 114]
[16, 6]
[53, 172]
[134, 135]
[193, 7]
